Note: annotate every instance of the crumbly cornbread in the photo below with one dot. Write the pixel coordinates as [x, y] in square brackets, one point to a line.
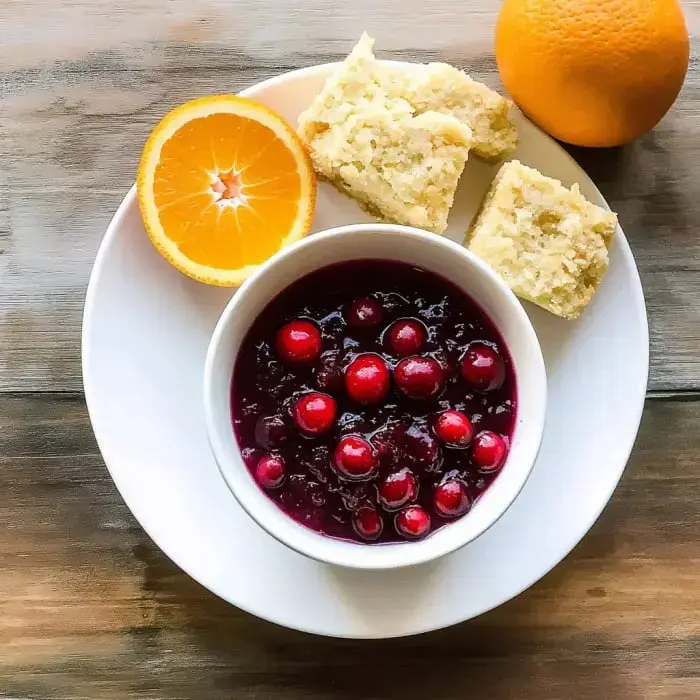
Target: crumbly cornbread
[443, 88]
[549, 243]
[396, 138]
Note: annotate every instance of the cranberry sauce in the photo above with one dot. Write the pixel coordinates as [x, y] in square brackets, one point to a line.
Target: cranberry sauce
[373, 401]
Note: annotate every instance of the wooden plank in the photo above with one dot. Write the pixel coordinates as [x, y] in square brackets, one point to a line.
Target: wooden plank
[89, 607]
[36, 32]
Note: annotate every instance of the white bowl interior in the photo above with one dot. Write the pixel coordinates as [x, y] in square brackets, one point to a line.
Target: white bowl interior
[430, 252]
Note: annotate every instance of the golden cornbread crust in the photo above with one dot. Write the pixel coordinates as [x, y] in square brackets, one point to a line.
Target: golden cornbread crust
[549, 243]
[397, 138]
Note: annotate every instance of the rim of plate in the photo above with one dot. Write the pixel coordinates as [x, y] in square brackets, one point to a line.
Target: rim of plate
[102, 253]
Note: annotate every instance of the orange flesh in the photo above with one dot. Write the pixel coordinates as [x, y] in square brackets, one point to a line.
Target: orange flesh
[225, 187]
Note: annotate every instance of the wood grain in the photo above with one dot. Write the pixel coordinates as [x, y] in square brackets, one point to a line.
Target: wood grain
[90, 608]
[83, 83]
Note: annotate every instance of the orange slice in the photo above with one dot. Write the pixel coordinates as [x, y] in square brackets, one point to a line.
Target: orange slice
[223, 184]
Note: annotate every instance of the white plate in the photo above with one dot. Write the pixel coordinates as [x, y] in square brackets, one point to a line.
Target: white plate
[145, 333]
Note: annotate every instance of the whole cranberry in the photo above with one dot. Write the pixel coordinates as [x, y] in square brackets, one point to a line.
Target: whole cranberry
[454, 428]
[489, 451]
[315, 413]
[483, 368]
[398, 489]
[367, 523]
[413, 522]
[451, 498]
[270, 472]
[419, 377]
[364, 313]
[355, 458]
[367, 378]
[270, 430]
[421, 448]
[329, 374]
[406, 337]
[299, 342]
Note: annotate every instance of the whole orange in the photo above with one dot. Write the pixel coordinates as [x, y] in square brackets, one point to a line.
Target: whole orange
[593, 72]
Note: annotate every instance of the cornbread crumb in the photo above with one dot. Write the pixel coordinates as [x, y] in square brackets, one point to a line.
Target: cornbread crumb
[549, 243]
[443, 88]
[397, 138]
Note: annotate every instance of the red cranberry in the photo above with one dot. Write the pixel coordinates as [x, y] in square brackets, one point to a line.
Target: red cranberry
[314, 413]
[355, 458]
[489, 451]
[421, 448]
[419, 377]
[454, 428]
[451, 498]
[406, 337]
[299, 342]
[398, 489]
[368, 523]
[413, 522]
[364, 313]
[388, 442]
[367, 378]
[483, 367]
[270, 430]
[270, 472]
[329, 375]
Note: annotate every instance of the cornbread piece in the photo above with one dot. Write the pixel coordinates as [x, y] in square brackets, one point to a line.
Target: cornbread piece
[549, 243]
[401, 161]
[445, 89]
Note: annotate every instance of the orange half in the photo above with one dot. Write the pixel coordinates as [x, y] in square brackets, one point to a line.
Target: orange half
[223, 184]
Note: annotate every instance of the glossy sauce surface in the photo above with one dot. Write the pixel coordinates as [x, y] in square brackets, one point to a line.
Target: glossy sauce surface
[401, 429]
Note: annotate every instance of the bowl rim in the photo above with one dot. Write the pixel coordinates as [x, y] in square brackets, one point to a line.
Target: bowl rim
[419, 552]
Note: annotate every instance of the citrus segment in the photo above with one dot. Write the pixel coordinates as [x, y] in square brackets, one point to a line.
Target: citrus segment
[223, 184]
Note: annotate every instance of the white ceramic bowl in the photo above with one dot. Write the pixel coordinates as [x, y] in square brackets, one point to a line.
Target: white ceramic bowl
[430, 252]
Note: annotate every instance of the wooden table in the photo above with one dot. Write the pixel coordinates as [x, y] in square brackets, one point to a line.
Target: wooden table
[89, 607]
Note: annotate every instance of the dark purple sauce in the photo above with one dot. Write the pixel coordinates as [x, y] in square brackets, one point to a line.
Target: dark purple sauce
[264, 390]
